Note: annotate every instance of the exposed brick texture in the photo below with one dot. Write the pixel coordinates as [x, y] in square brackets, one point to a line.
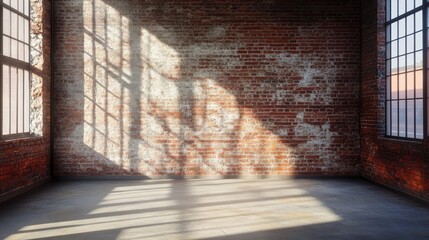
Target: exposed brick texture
[24, 162]
[207, 87]
[403, 165]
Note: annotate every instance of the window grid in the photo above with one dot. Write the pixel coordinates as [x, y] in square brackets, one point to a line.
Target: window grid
[406, 69]
[15, 67]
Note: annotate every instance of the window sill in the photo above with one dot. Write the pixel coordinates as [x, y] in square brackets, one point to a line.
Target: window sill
[19, 137]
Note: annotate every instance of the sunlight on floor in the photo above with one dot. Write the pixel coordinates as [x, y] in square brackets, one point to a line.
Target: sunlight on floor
[192, 209]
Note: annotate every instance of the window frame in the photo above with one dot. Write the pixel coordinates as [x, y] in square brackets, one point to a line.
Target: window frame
[425, 68]
[18, 64]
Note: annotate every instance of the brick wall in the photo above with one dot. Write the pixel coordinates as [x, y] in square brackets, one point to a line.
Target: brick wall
[207, 87]
[25, 162]
[402, 165]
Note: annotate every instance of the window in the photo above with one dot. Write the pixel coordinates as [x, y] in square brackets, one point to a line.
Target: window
[15, 67]
[406, 68]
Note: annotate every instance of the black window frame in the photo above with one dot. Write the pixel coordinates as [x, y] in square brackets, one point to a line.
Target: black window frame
[16, 63]
[425, 68]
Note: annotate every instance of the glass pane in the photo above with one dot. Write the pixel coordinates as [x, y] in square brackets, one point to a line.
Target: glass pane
[21, 6]
[410, 43]
[388, 50]
[410, 62]
[6, 103]
[402, 86]
[394, 29]
[21, 28]
[419, 60]
[6, 22]
[394, 66]
[394, 47]
[26, 7]
[6, 46]
[410, 118]
[419, 21]
[388, 88]
[394, 8]
[14, 4]
[402, 117]
[418, 3]
[419, 118]
[402, 64]
[7, 2]
[394, 118]
[402, 27]
[13, 100]
[410, 85]
[20, 101]
[388, 130]
[26, 101]
[419, 41]
[14, 25]
[26, 32]
[14, 49]
[419, 84]
[402, 46]
[394, 86]
[26, 53]
[410, 5]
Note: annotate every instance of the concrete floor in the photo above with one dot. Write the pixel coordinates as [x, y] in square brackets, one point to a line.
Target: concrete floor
[214, 209]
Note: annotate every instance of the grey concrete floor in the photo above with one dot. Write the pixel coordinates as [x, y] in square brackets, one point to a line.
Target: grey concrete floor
[214, 209]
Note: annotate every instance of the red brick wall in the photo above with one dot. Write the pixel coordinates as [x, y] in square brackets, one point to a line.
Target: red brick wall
[402, 165]
[24, 162]
[207, 87]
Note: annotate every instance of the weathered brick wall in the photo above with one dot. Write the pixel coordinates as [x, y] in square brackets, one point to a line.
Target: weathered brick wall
[402, 165]
[207, 87]
[24, 162]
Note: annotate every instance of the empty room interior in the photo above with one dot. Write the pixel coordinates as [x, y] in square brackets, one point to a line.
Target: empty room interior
[214, 119]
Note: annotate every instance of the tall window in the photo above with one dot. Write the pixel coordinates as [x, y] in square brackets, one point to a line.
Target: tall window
[406, 36]
[15, 67]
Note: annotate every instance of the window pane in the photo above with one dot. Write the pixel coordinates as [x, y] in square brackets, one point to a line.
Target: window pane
[394, 8]
[410, 85]
[419, 118]
[410, 62]
[418, 3]
[419, 21]
[419, 41]
[20, 101]
[14, 4]
[13, 100]
[394, 86]
[410, 5]
[402, 117]
[419, 60]
[14, 49]
[410, 43]
[7, 2]
[14, 25]
[6, 103]
[402, 84]
[394, 30]
[402, 46]
[6, 46]
[394, 66]
[394, 47]
[6, 22]
[410, 24]
[26, 7]
[402, 64]
[410, 118]
[26, 101]
[419, 84]
[394, 118]
[402, 27]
